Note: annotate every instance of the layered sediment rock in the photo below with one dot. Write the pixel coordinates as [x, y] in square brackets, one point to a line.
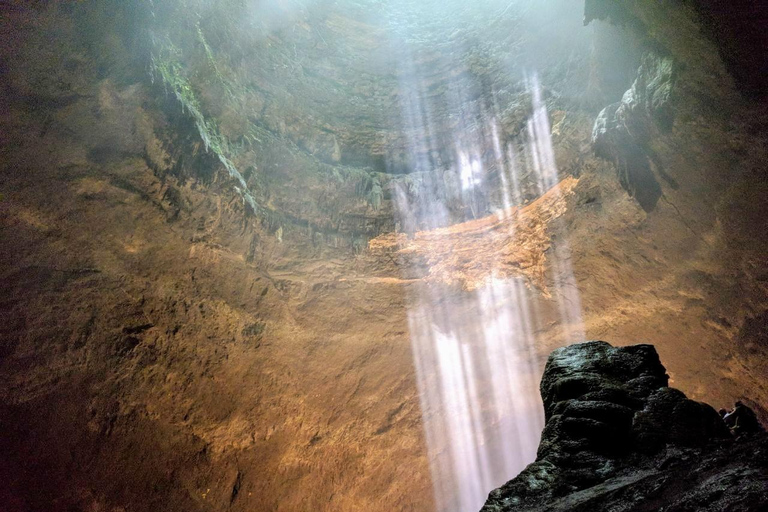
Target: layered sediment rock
[618, 438]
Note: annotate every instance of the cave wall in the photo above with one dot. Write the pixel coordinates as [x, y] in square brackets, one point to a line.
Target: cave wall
[165, 345]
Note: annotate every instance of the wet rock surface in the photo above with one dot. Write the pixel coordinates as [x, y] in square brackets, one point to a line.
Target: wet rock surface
[617, 438]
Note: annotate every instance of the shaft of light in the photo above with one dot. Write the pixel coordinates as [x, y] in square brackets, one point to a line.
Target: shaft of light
[474, 351]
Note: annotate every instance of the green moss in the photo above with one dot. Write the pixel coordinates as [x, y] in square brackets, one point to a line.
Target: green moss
[196, 55]
[166, 65]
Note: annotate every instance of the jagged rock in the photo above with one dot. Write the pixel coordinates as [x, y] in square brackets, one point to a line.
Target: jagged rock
[622, 130]
[617, 438]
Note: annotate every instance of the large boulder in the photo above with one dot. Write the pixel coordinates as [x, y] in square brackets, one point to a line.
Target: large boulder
[617, 438]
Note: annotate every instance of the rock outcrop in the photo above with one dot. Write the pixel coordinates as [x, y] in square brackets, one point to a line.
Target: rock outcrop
[618, 438]
[622, 130]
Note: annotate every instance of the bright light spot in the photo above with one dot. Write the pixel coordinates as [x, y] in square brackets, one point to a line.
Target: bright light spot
[471, 171]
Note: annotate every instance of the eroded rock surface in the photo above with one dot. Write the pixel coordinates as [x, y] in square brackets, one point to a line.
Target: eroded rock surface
[622, 129]
[618, 438]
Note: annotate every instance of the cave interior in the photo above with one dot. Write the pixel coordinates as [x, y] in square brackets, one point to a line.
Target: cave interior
[293, 255]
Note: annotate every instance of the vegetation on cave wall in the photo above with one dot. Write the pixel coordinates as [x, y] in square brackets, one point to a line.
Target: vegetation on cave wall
[205, 67]
[310, 94]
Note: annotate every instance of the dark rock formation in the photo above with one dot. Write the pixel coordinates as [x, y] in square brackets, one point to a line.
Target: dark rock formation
[617, 438]
[737, 28]
[622, 130]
